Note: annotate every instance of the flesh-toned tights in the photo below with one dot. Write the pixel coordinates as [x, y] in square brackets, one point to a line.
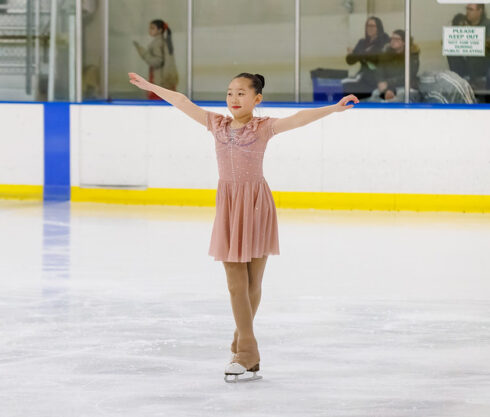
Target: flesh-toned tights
[245, 287]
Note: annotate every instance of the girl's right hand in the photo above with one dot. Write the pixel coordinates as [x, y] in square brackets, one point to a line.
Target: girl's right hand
[139, 81]
[342, 104]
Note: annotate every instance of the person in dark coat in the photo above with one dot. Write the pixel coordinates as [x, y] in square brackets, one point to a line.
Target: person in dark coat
[391, 74]
[366, 52]
[473, 68]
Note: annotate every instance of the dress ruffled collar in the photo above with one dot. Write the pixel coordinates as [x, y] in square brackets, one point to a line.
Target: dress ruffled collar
[246, 135]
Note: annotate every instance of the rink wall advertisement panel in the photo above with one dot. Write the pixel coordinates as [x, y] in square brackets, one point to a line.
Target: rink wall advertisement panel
[367, 158]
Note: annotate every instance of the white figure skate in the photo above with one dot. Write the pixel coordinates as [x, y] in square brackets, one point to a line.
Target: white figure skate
[235, 369]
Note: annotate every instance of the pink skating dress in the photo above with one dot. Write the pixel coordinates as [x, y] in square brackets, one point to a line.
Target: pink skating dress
[245, 225]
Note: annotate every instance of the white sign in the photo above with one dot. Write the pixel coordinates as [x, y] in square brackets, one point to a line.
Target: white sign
[463, 41]
[462, 1]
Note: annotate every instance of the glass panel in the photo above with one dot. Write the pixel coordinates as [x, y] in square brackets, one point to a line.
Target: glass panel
[129, 25]
[65, 72]
[92, 49]
[460, 78]
[231, 37]
[25, 50]
[344, 51]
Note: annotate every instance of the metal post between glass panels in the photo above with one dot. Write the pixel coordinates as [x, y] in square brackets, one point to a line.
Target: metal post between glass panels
[189, 49]
[105, 50]
[72, 56]
[37, 55]
[29, 10]
[52, 49]
[407, 50]
[78, 51]
[297, 10]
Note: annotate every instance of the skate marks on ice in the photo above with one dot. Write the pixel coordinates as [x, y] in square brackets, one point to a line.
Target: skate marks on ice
[93, 324]
[380, 358]
[112, 354]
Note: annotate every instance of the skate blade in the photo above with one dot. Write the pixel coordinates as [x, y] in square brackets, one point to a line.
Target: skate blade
[236, 378]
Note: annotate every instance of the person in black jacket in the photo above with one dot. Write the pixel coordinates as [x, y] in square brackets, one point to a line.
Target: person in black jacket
[473, 68]
[391, 74]
[366, 52]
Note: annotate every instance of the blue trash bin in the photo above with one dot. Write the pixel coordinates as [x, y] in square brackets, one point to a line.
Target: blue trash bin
[327, 84]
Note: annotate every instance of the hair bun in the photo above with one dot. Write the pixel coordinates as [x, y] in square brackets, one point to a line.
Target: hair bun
[261, 78]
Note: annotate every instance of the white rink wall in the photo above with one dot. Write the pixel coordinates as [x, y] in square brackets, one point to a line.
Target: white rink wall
[365, 150]
[21, 144]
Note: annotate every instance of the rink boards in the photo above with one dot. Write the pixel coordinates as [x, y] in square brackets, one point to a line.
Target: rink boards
[373, 158]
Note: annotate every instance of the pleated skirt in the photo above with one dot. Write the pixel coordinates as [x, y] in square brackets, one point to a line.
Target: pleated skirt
[245, 225]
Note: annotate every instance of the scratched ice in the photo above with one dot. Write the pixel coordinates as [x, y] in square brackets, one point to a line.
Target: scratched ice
[110, 310]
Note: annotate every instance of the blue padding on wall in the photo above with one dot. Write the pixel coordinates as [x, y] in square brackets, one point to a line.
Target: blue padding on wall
[56, 151]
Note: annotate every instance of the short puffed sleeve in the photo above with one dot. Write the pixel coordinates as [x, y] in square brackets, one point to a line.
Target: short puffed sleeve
[213, 120]
[267, 129]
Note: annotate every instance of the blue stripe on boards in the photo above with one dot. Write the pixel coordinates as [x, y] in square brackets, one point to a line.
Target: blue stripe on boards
[56, 151]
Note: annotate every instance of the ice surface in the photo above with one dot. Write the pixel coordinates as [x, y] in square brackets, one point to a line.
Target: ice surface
[110, 310]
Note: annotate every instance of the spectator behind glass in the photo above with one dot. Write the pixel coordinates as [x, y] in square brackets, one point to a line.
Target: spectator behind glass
[160, 57]
[459, 20]
[366, 52]
[472, 68]
[391, 74]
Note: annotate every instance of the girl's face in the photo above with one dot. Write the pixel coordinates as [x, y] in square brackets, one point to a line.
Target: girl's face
[154, 31]
[371, 28]
[241, 98]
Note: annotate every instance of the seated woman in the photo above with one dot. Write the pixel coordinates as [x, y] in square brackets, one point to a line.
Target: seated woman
[366, 52]
[391, 74]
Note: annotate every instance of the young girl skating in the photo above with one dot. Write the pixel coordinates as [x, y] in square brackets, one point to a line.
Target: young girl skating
[245, 227]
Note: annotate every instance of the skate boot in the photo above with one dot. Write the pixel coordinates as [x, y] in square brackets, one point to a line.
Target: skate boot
[247, 359]
[247, 353]
[234, 369]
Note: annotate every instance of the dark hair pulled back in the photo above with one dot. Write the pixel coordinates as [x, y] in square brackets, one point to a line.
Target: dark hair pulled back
[379, 26]
[160, 24]
[258, 81]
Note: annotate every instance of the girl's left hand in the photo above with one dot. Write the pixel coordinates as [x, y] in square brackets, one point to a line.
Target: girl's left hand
[342, 104]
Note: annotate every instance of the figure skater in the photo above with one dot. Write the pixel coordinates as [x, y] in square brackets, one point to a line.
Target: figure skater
[160, 57]
[245, 227]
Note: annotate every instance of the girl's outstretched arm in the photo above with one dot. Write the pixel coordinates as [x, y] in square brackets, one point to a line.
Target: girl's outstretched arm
[178, 100]
[303, 117]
